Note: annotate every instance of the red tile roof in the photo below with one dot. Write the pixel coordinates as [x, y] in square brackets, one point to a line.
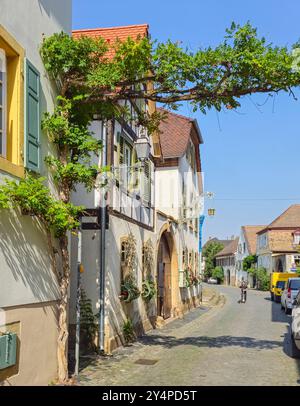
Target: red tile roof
[175, 132]
[111, 34]
[289, 218]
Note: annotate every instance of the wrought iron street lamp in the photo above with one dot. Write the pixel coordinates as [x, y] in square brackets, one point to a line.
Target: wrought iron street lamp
[142, 148]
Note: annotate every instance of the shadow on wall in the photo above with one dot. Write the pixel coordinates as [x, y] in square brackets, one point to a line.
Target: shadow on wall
[116, 311]
[59, 10]
[25, 252]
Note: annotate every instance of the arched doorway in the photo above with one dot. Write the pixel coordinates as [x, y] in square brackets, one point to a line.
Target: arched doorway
[164, 288]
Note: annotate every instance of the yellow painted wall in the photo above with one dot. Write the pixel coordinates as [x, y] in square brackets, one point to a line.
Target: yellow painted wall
[13, 163]
[36, 365]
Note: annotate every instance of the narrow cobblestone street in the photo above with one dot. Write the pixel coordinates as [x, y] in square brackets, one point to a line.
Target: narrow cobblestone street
[231, 344]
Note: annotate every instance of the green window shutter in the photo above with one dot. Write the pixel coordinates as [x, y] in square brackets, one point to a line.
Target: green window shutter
[147, 182]
[121, 150]
[32, 118]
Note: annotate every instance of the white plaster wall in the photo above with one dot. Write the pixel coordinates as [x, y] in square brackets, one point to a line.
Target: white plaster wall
[169, 200]
[265, 260]
[26, 274]
[90, 278]
[167, 191]
[240, 255]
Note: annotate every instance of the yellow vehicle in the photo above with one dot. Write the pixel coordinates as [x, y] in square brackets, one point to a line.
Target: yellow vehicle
[277, 282]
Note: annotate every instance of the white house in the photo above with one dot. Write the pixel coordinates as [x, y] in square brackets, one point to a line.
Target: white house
[227, 260]
[131, 216]
[246, 247]
[28, 290]
[179, 203]
[278, 243]
[135, 223]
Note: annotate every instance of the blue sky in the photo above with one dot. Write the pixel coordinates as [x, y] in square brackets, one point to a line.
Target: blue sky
[250, 157]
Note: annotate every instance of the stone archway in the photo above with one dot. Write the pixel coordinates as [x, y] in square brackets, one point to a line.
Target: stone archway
[167, 274]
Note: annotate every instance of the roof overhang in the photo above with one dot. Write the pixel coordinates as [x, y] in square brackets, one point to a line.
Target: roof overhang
[195, 122]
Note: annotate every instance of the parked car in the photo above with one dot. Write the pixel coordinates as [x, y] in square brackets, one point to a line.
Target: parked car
[295, 328]
[213, 281]
[277, 282]
[292, 286]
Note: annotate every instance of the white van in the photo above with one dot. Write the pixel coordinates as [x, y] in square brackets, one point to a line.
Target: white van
[291, 289]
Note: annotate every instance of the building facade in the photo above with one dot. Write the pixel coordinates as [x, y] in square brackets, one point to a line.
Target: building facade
[29, 291]
[179, 203]
[223, 243]
[246, 247]
[138, 225]
[227, 260]
[278, 243]
[131, 215]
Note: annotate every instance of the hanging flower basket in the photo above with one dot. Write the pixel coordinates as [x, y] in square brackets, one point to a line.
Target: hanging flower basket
[129, 290]
[148, 289]
[188, 277]
[195, 280]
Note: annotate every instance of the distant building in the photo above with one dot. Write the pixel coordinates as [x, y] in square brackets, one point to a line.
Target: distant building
[278, 243]
[210, 240]
[227, 260]
[246, 247]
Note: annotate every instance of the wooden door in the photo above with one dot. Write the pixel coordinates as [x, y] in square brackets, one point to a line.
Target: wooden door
[167, 291]
[164, 298]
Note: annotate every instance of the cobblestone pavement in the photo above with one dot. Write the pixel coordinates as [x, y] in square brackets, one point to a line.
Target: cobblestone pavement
[234, 344]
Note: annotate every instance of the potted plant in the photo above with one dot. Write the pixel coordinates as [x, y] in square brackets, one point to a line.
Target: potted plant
[188, 276]
[129, 289]
[148, 289]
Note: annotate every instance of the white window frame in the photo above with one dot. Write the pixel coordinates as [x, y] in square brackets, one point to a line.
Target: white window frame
[297, 239]
[127, 162]
[3, 106]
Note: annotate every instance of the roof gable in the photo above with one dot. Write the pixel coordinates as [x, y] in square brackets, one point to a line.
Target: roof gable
[289, 218]
[175, 133]
[250, 237]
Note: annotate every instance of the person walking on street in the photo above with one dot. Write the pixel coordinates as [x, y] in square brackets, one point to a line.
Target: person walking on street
[243, 287]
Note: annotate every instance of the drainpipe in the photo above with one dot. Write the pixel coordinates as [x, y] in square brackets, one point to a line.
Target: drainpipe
[201, 221]
[78, 297]
[103, 210]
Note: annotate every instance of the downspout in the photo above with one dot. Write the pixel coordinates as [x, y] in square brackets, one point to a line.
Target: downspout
[103, 210]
